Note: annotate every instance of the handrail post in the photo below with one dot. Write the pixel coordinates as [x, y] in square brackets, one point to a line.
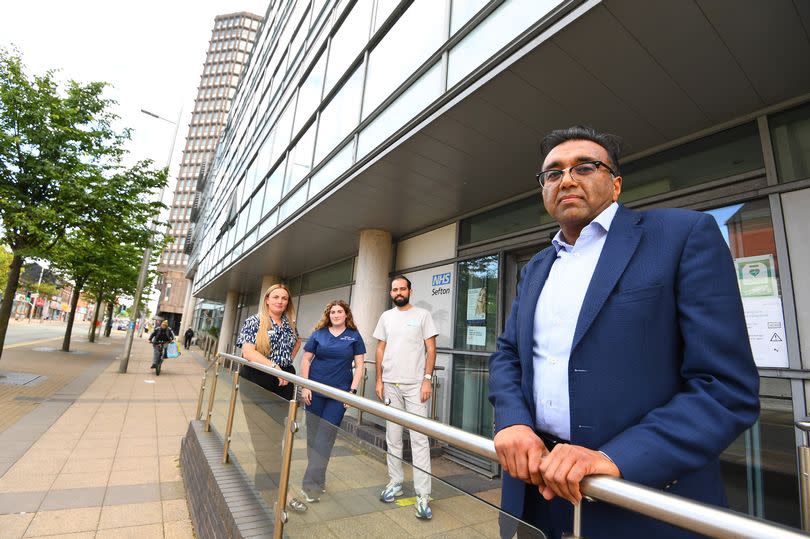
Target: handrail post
[231, 409]
[286, 459]
[362, 394]
[433, 386]
[198, 415]
[211, 397]
[804, 472]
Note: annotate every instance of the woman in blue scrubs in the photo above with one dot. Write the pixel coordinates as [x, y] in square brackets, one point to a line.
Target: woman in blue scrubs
[329, 355]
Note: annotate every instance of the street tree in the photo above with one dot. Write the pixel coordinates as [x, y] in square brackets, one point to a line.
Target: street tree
[105, 251]
[53, 140]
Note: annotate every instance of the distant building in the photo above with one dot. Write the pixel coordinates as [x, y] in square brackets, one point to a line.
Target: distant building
[231, 43]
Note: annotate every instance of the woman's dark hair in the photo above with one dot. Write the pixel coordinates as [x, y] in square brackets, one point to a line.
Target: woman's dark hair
[611, 143]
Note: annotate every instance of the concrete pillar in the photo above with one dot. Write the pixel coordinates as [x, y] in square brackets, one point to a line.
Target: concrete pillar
[187, 318]
[370, 291]
[228, 322]
[267, 282]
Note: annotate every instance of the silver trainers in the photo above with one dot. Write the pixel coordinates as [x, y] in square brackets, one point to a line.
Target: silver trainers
[390, 492]
[422, 508]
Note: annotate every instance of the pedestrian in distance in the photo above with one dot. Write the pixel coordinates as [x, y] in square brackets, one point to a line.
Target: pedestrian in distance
[329, 355]
[406, 355]
[187, 336]
[625, 353]
[159, 339]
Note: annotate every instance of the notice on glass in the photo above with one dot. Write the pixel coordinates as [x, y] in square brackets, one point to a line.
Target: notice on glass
[476, 336]
[756, 276]
[476, 304]
[766, 330]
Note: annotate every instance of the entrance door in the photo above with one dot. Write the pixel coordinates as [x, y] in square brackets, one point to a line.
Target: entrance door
[515, 262]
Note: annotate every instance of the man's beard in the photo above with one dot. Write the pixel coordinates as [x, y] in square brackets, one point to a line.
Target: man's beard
[401, 301]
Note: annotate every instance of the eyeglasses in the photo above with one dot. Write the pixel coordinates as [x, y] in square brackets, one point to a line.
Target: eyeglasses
[579, 172]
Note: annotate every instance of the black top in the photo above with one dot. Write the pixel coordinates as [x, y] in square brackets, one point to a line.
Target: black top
[160, 336]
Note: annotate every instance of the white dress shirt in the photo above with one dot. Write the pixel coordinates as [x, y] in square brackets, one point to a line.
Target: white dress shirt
[555, 320]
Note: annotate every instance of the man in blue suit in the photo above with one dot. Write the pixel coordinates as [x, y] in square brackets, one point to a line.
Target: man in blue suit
[625, 353]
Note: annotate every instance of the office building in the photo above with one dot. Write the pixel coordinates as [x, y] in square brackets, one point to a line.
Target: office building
[231, 43]
[377, 136]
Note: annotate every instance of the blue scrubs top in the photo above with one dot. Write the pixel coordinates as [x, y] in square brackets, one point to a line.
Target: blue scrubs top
[334, 356]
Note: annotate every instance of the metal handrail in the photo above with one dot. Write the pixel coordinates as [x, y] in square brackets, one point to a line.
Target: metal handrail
[682, 512]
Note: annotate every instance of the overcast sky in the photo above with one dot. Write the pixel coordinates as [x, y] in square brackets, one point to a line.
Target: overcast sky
[150, 51]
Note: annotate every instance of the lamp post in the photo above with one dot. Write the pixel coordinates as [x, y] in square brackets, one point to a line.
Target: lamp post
[147, 254]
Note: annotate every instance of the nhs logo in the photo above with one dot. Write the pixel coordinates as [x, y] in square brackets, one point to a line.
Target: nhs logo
[440, 279]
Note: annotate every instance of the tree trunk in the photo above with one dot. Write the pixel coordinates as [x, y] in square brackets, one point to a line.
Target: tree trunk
[108, 327]
[92, 335]
[8, 297]
[74, 301]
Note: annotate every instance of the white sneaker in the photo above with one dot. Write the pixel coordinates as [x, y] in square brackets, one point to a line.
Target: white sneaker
[422, 508]
[390, 492]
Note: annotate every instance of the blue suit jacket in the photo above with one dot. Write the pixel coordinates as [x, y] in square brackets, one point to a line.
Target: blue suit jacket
[661, 376]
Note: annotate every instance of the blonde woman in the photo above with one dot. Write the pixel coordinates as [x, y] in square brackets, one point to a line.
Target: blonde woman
[329, 355]
[270, 338]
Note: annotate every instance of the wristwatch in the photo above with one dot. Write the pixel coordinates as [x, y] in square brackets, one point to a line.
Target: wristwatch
[428, 377]
[353, 390]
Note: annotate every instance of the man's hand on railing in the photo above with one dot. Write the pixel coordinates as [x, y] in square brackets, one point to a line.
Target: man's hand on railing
[566, 465]
[306, 396]
[520, 451]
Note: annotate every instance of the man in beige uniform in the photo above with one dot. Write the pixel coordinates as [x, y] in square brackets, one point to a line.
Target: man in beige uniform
[406, 354]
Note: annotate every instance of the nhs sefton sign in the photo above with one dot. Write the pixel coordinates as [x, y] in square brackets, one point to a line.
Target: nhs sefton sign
[441, 279]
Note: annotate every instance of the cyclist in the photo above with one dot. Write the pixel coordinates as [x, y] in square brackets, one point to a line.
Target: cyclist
[159, 338]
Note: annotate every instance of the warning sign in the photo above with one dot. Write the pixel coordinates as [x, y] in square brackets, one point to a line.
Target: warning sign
[766, 330]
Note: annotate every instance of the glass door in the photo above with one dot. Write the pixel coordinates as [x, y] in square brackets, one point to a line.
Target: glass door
[759, 468]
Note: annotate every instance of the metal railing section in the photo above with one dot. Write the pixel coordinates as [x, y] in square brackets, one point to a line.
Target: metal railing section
[682, 512]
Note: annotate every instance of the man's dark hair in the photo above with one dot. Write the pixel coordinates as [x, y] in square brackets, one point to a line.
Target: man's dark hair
[611, 143]
[401, 277]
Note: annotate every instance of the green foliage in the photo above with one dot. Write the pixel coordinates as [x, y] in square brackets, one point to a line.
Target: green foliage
[65, 195]
[5, 262]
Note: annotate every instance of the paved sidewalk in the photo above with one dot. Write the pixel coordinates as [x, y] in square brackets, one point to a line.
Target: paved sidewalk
[108, 466]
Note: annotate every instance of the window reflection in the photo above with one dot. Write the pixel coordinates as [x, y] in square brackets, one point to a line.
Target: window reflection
[309, 96]
[790, 135]
[348, 41]
[340, 116]
[759, 468]
[414, 37]
[300, 161]
[462, 11]
[477, 304]
[470, 408]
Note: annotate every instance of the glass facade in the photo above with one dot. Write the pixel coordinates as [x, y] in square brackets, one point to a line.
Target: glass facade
[331, 78]
[790, 136]
[330, 83]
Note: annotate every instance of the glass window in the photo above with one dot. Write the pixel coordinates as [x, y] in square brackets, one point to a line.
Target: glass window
[296, 200]
[300, 161]
[790, 136]
[329, 277]
[462, 11]
[268, 224]
[415, 36]
[272, 192]
[759, 468]
[340, 116]
[470, 407]
[309, 96]
[331, 170]
[412, 101]
[282, 131]
[384, 9]
[514, 217]
[348, 41]
[714, 157]
[493, 33]
[477, 304]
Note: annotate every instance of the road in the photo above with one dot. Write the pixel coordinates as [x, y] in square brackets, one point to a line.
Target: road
[23, 332]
